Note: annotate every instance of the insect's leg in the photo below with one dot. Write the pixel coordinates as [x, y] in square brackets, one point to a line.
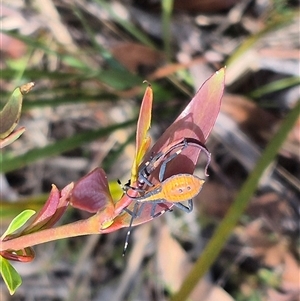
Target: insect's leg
[141, 207]
[129, 211]
[152, 165]
[143, 179]
[159, 213]
[133, 216]
[138, 211]
[184, 208]
[153, 210]
[147, 169]
[164, 164]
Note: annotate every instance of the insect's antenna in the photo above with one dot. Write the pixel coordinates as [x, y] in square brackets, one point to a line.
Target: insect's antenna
[203, 148]
[208, 154]
[133, 215]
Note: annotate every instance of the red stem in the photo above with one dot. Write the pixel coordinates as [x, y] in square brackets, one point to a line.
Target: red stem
[79, 228]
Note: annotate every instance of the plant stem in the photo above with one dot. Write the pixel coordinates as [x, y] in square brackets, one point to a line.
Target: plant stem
[79, 228]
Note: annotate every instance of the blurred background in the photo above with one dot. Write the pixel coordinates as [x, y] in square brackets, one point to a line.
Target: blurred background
[88, 60]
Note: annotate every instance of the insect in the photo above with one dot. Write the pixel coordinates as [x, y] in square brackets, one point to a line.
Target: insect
[175, 189]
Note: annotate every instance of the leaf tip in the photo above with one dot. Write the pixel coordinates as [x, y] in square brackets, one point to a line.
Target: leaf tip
[24, 89]
[146, 82]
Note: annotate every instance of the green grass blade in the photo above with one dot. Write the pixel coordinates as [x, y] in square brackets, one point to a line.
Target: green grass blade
[127, 25]
[9, 210]
[20, 67]
[12, 163]
[36, 74]
[119, 80]
[70, 60]
[167, 8]
[111, 61]
[225, 228]
[68, 99]
[275, 86]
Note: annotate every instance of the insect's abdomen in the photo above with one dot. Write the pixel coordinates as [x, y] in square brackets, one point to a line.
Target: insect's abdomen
[181, 187]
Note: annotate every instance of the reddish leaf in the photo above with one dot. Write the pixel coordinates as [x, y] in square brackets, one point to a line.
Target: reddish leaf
[52, 211]
[142, 139]
[12, 137]
[198, 118]
[91, 193]
[24, 255]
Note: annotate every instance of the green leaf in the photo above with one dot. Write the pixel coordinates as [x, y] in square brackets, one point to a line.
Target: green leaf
[10, 114]
[18, 222]
[276, 86]
[10, 276]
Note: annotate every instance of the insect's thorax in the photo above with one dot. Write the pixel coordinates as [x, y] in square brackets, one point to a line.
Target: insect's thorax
[152, 195]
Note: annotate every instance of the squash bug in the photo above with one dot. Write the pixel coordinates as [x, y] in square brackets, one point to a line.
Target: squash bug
[175, 189]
